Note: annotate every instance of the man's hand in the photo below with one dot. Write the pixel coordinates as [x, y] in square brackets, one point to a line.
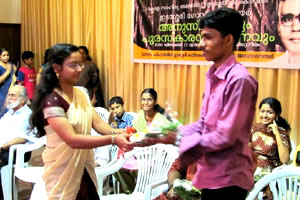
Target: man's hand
[169, 138]
[111, 120]
[122, 140]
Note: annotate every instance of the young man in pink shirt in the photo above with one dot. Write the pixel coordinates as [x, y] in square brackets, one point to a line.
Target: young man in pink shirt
[27, 74]
[218, 141]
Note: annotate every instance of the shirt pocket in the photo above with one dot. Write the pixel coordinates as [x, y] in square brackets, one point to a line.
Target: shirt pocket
[214, 110]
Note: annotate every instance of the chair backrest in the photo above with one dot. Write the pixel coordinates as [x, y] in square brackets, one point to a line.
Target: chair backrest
[103, 113]
[7, 176]
[154, 163]
[283, 182]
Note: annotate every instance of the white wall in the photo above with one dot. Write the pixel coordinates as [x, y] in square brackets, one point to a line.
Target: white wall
[10, 11]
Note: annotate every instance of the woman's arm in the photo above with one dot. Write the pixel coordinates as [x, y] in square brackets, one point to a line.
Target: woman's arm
[67, 133]
[5, 74]
[15, 67]
[283, 150]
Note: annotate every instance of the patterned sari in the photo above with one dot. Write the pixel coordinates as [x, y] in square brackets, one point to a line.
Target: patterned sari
[263, 143]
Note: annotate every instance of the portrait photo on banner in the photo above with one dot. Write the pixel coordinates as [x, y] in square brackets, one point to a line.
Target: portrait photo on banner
[168, 32]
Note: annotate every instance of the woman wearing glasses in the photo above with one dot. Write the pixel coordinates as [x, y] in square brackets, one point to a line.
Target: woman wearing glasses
[289, 32]
[65, 115]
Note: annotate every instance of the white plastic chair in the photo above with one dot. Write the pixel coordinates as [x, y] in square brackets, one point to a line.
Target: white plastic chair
[113, 151]
[22, 170]
[103, 113]
[153, 162]
[283, 182]
[7, 174]
[7, 177]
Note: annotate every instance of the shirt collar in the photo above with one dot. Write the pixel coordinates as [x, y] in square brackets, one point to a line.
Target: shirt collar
[223, 69]
[11, 111]
[123, 118]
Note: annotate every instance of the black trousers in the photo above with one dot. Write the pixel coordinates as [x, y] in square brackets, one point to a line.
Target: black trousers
[230, 193]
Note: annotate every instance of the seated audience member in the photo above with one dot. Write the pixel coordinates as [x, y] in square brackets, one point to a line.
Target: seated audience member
[151, 114]
[27, 74]
[118, 118]
[15, 123]
[177, 171]
[89, 78]
[270, 139]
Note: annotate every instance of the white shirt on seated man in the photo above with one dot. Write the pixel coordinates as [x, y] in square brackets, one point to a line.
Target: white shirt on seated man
[15, 123]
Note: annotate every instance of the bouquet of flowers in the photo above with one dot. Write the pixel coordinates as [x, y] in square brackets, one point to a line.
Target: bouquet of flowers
[157, 129]
[185, 190]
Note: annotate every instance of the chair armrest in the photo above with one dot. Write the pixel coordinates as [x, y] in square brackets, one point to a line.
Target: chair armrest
[149, 188]
[24, 148]
[110, 168]
[114, 165]
[29, 174]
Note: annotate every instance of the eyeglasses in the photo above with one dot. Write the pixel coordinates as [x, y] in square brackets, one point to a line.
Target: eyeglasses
[75, 65]
[289, 19]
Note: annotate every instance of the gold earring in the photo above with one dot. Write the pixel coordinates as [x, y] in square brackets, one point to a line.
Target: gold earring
[57, 75]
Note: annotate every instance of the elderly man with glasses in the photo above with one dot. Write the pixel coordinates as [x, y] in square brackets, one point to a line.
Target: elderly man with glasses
[289, 32]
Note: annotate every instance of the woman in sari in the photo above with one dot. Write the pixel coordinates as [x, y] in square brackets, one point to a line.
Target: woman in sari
[270, 140]
[90, 78]
[65, 115]
[151, 115]
[7, 78]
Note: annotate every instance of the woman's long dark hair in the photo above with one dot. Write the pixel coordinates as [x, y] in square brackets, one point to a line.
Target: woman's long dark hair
[276, 106]
[157, 107]
[57, 55]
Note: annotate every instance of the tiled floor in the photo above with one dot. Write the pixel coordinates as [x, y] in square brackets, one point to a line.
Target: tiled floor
[24, 188]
